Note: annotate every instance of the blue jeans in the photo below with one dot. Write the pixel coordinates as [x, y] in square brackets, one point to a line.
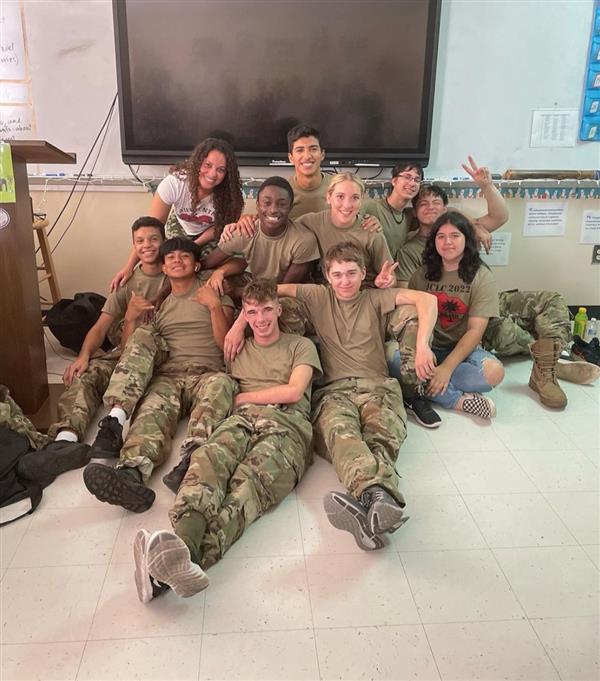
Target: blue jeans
[466, 378]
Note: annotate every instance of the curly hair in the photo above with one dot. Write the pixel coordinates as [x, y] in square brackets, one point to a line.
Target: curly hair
[470, 261]
[228, 197]
[260, 291]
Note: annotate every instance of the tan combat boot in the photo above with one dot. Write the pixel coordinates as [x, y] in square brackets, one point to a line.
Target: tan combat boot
[545, 353]
[579, 371]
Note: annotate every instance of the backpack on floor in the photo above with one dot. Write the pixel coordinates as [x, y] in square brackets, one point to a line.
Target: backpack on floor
[18, 497]
[71, 319]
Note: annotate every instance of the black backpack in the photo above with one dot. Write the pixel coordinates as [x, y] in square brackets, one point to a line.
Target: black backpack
[70, 320]
[18, 497]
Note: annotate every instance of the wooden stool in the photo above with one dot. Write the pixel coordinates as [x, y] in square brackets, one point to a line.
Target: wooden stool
[39, 227]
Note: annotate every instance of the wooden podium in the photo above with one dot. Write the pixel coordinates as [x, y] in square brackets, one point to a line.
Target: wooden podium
[22, 354]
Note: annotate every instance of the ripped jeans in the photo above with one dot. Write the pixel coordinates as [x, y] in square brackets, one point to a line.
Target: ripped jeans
[468, 376]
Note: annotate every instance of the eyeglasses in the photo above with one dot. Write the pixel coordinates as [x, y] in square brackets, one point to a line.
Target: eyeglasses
[410, 178]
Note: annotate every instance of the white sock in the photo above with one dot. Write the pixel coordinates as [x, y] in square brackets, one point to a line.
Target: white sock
[119, 414]
[66, 436]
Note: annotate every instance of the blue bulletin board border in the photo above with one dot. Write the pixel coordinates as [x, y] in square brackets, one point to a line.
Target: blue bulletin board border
[590, 107]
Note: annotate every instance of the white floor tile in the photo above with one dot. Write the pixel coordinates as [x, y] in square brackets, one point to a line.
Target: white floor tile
[256, 594]
[517, 520]
[176, 658]
[490, 651]
[10, 537]
[50, 604]
[532, 433]
[461, 433]
[593, 551]
[65, 536]
[572, 643]
[580, 512]
[552, 581]
[581, 426]
[259, 656]
[319, 479]
[424, 474]
[392, 653]
[369, 589]
[121, 615]
[437, 522]
[558, 470]
[487, 472]
[459, 586]
[417, 439]
[155, 518]
[51, 661]
[515, 399]
[68, 491]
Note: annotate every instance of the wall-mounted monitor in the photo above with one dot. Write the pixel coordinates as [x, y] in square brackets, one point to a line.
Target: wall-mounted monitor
[361, 71]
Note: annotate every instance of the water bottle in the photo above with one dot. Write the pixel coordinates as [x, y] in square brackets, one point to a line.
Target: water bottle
[581, 320]
[591, 329]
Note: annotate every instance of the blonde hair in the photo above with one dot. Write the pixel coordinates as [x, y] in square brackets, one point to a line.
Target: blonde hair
[346, 177]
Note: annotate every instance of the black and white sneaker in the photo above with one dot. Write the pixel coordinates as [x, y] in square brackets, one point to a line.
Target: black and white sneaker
[169, 562]
[384, 513]
[118, 486]
[478, 405]
[420, 409]
[147, 587]
[347, 513]
[109, 439]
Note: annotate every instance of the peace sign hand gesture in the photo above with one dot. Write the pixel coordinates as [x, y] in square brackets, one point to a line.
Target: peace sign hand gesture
[386, 277]
[481, 176]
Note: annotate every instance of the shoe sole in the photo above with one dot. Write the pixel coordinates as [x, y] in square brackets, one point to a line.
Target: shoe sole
[141, 574]
[386, 518]
[580, 372]
[413, 414]
[45, 463]
[169, 561]
[106, 485]
[343, 517]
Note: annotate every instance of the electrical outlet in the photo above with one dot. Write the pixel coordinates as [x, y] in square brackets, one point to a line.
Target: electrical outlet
[596, 255]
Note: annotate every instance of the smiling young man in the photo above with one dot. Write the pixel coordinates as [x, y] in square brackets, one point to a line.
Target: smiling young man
[308, 182]
[87, 377]
[184, 342]
[251, 462]
[358, 416]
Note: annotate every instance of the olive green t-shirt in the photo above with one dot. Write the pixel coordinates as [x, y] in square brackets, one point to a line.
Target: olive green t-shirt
[410, 257]
[271, 256]
[186, 327]
[309, 200]
[258, 367]
[351, 332]
[146, 285]
[328, 235]
[457, 301]
[396, 224]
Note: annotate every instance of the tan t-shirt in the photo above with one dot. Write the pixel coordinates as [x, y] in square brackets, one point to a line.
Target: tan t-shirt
[328, 235]
[457, 301]
[410, 257]
[258, 367]
[186, 327]
[271, 256]
[309, 200]
[146, 285]
[351, 332]
[396, 224]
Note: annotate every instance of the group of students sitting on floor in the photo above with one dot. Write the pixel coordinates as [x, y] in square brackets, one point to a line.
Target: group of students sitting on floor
[377, 304]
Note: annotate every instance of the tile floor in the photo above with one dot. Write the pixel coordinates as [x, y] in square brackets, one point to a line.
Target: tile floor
[494, 577]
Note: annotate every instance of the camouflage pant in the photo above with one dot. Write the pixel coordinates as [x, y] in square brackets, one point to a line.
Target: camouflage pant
[359, 427]
[251, 462]
[81, 400]
[524, 317]
[12, 417]
[402, 325]
[294, 317]
[173, 228]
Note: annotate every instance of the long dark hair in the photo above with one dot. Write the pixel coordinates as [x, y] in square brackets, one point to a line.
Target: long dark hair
[470, 261]
[228, 197]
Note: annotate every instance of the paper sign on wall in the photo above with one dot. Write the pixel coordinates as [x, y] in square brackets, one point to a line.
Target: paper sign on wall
[12, 46]
[545, 218]
[16, 122]
[499, 252]
[590, 227]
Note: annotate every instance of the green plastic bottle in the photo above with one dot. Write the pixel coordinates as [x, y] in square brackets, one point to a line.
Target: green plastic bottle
[581, 319]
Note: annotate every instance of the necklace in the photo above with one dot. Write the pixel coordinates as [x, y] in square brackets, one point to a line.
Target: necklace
[393, 211]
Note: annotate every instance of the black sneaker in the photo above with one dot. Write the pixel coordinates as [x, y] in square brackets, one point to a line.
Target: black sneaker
[118, 486]
[147, 587]
[347, 513]
[55, 458]
[590, 352]
[422, 412]
[109, 439]
[385, 514]
[174, 478]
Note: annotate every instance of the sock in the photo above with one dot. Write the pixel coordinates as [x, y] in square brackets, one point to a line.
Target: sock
[66, 436]
[191, 528]
[119, 414]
